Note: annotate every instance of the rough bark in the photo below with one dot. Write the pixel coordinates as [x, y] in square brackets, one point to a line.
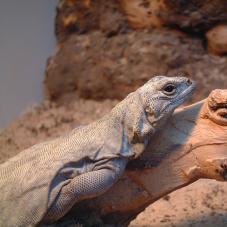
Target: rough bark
[191, 146]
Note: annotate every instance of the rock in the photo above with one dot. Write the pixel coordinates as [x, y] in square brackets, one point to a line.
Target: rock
[195, 16]
[217, 40]
[100, 57]
[83, 16]
[98, 67]
[143, 13]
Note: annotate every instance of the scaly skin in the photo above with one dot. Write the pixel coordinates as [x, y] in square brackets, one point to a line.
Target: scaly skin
[42, 183]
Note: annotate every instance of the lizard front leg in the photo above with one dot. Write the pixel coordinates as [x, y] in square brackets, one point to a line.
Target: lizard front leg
[84, 186]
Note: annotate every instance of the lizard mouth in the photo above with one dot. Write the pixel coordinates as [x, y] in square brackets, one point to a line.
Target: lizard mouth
[185, 94]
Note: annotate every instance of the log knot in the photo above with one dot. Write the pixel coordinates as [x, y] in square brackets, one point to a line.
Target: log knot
[216, 107]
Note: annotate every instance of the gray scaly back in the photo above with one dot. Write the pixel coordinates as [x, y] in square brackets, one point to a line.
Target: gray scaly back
[42, 183]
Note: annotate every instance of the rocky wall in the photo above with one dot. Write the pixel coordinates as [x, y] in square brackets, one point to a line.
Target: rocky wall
[101, 55]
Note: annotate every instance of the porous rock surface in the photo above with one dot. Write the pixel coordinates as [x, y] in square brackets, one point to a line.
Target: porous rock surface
[112, 16]
[83, 16]
[100, 55]
[99, 67]
[217, 40]
[193, 15]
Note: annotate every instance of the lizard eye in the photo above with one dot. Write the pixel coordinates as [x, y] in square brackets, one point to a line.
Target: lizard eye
[169, 89]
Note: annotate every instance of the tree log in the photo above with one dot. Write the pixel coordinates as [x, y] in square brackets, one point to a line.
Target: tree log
[193, 145]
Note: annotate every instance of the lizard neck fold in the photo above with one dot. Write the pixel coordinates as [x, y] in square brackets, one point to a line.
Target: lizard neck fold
[132, 117]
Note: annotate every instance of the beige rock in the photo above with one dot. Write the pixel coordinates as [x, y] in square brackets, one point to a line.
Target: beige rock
[98, 67]
[84, 16]
[217, 40]
[197, 15]
[143, 13]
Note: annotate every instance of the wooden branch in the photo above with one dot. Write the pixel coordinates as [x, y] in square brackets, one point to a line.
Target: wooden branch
[192, 145]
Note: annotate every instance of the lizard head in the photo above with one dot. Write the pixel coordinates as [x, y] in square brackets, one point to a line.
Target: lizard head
[157, 99]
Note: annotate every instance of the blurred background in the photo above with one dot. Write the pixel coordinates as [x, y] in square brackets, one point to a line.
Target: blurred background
[26, 40]
[78, 58]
